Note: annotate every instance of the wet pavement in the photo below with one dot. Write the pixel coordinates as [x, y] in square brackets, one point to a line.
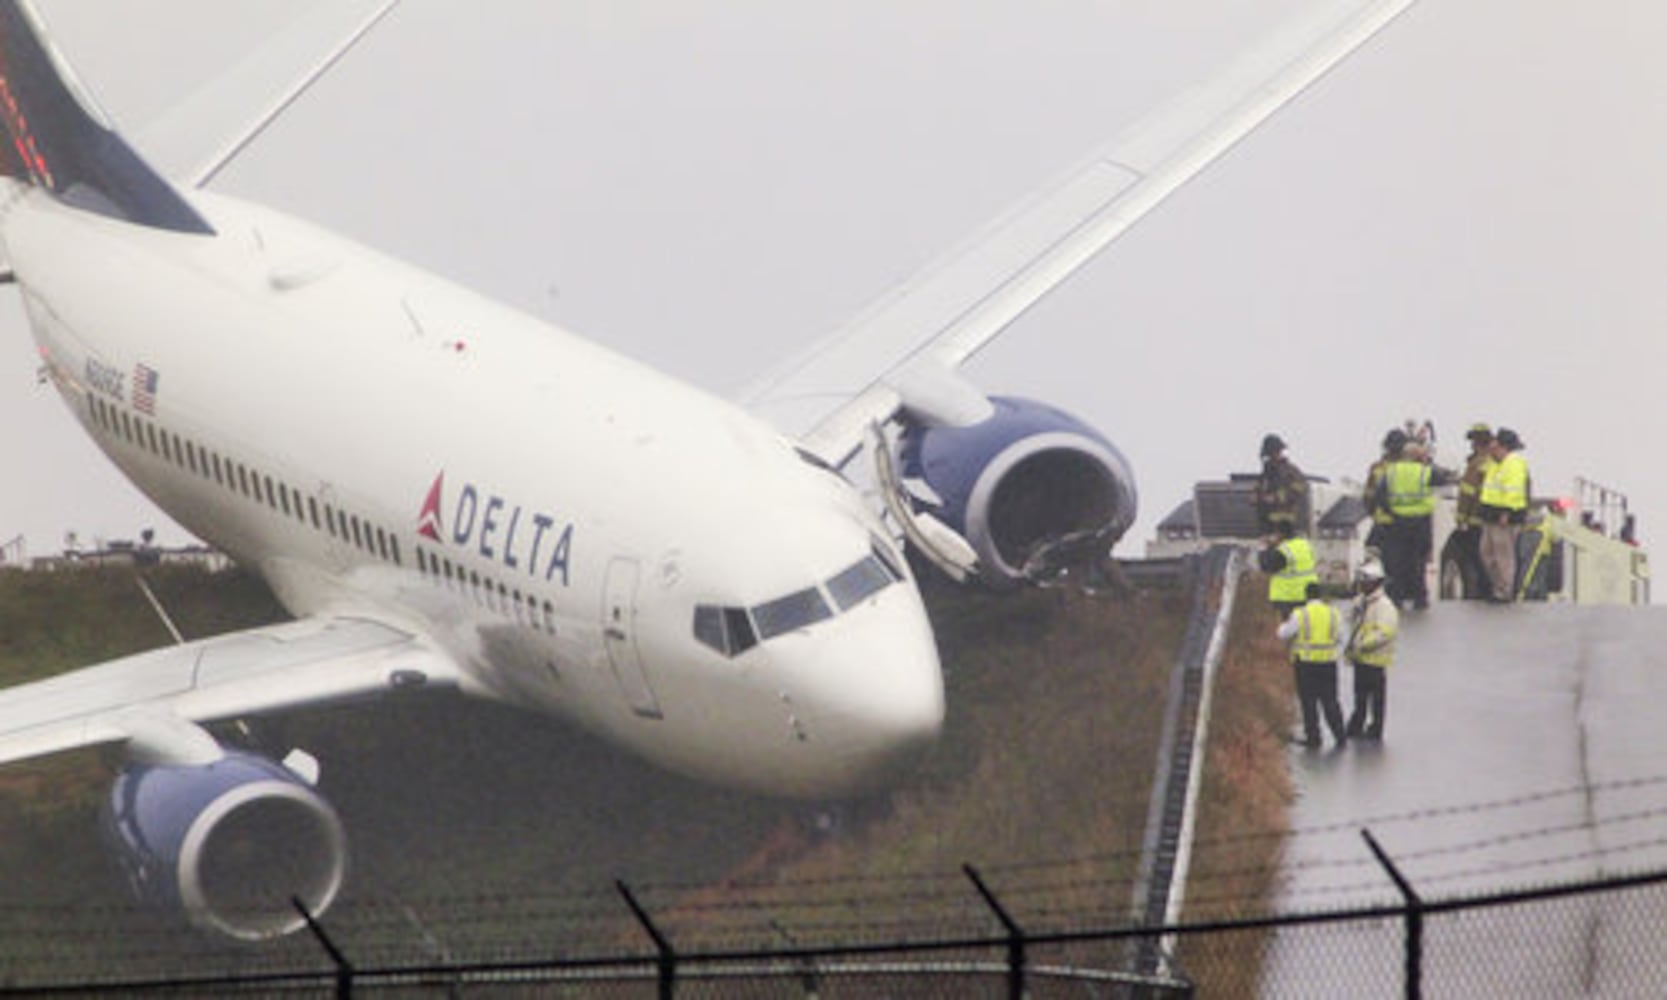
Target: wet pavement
[1524, 746]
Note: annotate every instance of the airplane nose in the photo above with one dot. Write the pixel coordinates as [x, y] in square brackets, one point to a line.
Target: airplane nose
[876, 700]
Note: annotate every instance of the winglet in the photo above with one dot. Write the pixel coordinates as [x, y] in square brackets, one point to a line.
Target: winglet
[60, 140]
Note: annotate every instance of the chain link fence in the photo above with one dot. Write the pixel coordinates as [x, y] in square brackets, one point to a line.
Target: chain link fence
[1597, 937]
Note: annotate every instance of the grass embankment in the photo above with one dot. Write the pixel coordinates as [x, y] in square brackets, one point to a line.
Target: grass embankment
[1245, 799]
[479, 832]
[1041, 780]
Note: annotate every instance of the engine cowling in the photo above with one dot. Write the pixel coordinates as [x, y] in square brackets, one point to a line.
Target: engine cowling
[232, 843]
[1027, 477]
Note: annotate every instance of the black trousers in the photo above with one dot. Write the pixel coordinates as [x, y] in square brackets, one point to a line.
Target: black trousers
[1406, 552]
[1317, 694]
[1369, 690]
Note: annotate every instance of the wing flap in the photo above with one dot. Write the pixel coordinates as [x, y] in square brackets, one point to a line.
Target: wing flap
[828, 394]
[311, 661]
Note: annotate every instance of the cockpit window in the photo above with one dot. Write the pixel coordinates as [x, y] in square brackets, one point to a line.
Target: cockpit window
[732, 630]
[795, 611]
[856, 582]
[889, 556]
[727, 630]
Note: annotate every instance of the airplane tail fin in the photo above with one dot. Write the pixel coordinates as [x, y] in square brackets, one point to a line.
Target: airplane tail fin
[61, 142]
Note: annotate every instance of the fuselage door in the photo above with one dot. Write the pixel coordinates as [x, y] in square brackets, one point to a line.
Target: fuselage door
[619, 613]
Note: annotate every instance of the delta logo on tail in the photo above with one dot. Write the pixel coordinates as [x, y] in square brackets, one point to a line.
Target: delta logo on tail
[487, 525]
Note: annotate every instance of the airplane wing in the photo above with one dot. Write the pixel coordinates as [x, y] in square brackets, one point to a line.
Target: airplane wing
[199, 136]
[144, 698]
[902, 351]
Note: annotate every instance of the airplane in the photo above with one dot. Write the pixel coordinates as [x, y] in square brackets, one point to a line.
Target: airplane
[449, 494]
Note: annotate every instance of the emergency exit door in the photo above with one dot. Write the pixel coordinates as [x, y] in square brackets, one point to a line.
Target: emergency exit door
[619, 630]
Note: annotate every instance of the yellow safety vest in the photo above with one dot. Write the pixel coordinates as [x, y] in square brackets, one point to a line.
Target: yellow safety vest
[1408, 485]
[1375, 475]
[1476, 470]
[1373, 642]
[1507, 483]
[1290, 585]
[1316, 639]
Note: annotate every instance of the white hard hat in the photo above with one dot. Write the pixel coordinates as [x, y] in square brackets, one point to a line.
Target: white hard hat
[1371, 569]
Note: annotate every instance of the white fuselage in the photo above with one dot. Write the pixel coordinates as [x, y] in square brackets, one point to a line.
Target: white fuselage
[376, 441]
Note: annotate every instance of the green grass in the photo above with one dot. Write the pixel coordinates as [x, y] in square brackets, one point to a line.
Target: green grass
[479, 832]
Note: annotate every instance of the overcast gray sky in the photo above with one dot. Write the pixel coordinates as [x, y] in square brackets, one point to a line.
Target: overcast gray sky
[1466, 221]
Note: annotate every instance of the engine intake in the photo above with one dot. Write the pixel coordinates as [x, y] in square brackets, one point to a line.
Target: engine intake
[1027, 478]
[232, 843]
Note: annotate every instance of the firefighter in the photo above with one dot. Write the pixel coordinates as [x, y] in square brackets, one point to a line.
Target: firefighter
[1312, 632]
[1466, 538]
[1290, 566]
[1407, 493]
[1504, 506]
[1371, 648]
[1281, 493]
[1393, 442]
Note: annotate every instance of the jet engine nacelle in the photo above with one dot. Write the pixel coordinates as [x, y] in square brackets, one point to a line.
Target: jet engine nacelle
[1027, 477]
[233, 843]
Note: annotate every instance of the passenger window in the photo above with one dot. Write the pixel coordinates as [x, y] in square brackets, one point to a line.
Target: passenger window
[795, 611]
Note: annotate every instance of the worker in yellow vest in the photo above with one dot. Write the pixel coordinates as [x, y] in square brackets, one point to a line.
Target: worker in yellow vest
[1370, 649]
[1290, 566]
[1312, 631]
[1393, 442]
[1503, 508]
[1406, 491]
[1466, 539]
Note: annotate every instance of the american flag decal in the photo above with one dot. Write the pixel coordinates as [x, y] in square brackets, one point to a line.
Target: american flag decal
[144, 389]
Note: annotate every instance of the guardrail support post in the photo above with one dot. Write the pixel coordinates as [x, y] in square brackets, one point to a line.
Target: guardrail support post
[344, 968]
[1015, 935]
[667, 962]
[1415, 918]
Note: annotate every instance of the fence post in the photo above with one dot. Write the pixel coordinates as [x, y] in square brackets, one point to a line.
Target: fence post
[1415, 918]
[344, 968]
[1015, 935]
[667, 961]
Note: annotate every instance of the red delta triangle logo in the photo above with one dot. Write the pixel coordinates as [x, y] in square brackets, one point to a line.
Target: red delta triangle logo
[529, 541]
[428, 522]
